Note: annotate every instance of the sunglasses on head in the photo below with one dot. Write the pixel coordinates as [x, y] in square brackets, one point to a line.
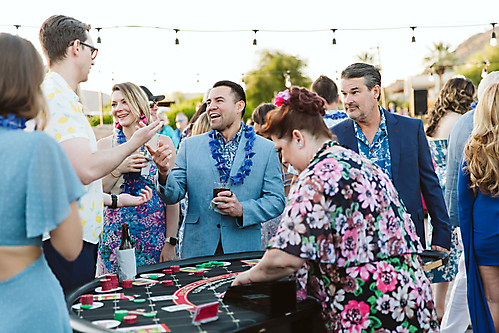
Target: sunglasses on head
[179, 120]
[93, 49]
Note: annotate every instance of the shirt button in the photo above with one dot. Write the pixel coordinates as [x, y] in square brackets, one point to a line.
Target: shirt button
[218, 226]
[371, 151]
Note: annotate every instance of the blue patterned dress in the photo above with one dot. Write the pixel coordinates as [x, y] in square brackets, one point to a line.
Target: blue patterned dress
[445, 273]
[147, 225]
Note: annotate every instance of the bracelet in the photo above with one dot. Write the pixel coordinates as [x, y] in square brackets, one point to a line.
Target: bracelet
[114, 201]
[114, 175]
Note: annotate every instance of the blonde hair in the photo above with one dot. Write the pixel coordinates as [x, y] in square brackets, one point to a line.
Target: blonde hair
[202, 125]
[482, 151]
[135, 98]
[21, 73]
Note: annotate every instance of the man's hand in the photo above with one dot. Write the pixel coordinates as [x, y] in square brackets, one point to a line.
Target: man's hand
[127, 200]
[133, 163]
[167, 253]
[439, 248]
[229, 204]
[161, 157]
[145, 133]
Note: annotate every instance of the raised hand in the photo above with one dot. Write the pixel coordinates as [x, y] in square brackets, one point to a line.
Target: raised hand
[127, 200]
[161, 157]
[145, 133]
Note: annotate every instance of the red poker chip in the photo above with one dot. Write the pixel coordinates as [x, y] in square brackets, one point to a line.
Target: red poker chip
[106, 284]
[167, 283]
[167, 271]
[199, 273]
[114, 280]
[175, 268]
[129, 319]
[87, 299]
[127, 284]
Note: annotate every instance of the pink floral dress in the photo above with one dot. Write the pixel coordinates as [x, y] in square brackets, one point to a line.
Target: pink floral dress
[344, 216]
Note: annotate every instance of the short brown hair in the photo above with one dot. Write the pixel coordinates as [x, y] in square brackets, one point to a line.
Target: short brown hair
[57, 32]
[21, 73]
[303, 111]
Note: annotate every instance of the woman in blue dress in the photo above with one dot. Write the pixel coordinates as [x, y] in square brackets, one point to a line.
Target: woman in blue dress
[38, 194]
[478, 201]
[454, 100]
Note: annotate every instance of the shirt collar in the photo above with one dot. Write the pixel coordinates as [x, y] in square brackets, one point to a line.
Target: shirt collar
[62, 83]
[235, 138]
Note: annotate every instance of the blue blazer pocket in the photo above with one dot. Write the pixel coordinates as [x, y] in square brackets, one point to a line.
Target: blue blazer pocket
[191, 218]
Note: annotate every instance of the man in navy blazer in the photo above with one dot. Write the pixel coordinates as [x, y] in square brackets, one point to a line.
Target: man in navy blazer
[395, 143]
[231, 152]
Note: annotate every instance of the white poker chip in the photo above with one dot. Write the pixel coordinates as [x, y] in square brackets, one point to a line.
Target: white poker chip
[96, 305]
[107, 323]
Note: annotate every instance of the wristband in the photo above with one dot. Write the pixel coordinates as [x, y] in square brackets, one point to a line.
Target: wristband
[112, 174]
[114, 201]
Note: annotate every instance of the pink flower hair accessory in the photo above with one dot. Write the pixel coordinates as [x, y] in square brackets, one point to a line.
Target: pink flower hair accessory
[282, 98]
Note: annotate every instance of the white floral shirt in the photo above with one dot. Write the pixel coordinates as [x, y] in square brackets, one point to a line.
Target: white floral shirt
[66, 121]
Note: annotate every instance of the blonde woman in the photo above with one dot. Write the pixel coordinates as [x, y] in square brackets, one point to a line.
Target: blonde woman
[202, 125]
[454, 100]
[151, 223]
[478, 195]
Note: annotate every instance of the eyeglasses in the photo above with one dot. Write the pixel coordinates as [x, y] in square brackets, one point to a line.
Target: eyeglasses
[93, 49]
[152, 103]
[179, 120]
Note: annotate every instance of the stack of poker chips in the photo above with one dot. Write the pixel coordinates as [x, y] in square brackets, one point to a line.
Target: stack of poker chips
[128, 283]
[167, 283]
[175, 268]
[106, 284]
[129, 319]
[114, 280]
[120, 314]
[87, 301]
[199, 273]
[167, 271]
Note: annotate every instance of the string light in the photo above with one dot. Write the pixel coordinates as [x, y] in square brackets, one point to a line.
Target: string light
[99, 40]
[431, 78]
[493, 39]
[334, 36]
[176, 37]
[254, 40]
[413, 40]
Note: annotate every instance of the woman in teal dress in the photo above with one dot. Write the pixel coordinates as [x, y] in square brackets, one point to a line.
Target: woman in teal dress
[38, 194]
[151, 222]
[454, 100]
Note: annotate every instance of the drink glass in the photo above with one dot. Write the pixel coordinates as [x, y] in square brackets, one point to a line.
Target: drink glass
[219, 187]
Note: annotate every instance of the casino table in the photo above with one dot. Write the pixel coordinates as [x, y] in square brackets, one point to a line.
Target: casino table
[192, 291]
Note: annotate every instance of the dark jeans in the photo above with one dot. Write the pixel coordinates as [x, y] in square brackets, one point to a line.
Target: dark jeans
[72, 274]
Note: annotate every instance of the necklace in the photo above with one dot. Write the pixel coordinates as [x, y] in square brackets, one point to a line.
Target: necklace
[12, 122]
[245, 168]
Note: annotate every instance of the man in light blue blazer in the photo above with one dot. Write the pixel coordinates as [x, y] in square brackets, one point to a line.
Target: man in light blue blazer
[230, 153]
[395, 143]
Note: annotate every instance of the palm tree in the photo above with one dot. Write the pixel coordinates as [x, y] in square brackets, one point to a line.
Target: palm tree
[366, 57]
[439, 59]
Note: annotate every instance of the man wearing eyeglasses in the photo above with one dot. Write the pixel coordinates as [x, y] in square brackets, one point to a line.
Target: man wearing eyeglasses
[70, 53]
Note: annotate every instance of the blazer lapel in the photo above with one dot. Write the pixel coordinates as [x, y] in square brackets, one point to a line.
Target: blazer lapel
[394, 140]
[350, 138]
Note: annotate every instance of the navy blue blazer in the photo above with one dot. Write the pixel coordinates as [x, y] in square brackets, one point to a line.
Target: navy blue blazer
[412, 172]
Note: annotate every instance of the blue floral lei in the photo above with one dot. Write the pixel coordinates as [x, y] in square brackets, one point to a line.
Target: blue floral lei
[245, 168]
[12, 122]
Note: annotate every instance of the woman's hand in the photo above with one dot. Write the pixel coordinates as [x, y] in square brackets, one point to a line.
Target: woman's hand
[127, 200]
[133, 163]
[243, 278]
[439, 248]
[167, 253]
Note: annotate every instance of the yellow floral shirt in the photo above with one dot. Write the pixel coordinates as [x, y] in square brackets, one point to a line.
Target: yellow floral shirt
[66, 121]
